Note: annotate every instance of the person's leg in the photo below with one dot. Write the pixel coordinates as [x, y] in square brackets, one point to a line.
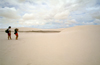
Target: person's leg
[8, 36]
[16, 37]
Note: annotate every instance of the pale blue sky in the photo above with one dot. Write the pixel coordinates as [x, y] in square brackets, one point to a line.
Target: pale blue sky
[47, 14]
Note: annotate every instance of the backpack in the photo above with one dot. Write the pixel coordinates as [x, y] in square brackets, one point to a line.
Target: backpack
[15, 31]
[7, 31]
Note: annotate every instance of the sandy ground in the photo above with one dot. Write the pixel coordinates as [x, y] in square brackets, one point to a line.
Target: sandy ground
[72, 46]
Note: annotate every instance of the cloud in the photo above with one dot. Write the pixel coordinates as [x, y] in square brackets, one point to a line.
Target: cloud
[62, 15]
[31, 22]
[97, 21]
[87, 23]
[5, 22]
[28, 16]
[96, 14]
[72, 21]
[41, 12]
[20, 1]
[10, 13]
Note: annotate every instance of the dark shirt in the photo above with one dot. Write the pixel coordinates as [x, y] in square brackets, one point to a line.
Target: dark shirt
[15, 32]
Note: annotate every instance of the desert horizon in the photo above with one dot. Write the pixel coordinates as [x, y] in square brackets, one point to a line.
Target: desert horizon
[79, 45]
[30, 29]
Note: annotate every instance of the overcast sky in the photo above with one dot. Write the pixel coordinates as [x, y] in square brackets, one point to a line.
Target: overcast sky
[49, 13]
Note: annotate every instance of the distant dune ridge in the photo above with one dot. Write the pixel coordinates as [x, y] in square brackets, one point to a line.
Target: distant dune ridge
[79, 45]
[84, 27]
[25, 29]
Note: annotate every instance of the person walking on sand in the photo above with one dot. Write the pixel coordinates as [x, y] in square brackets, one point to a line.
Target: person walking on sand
[9, 32]
[16, 33]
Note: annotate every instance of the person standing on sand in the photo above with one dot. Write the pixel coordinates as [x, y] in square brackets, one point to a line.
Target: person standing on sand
[16, 33]
[9, 32]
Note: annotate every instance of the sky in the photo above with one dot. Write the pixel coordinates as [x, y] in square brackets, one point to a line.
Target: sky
[49, 14]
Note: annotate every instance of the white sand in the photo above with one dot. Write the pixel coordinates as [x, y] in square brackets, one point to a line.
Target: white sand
[78, 45]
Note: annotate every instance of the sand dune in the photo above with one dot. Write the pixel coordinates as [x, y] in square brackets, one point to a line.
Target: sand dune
[78, 45]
